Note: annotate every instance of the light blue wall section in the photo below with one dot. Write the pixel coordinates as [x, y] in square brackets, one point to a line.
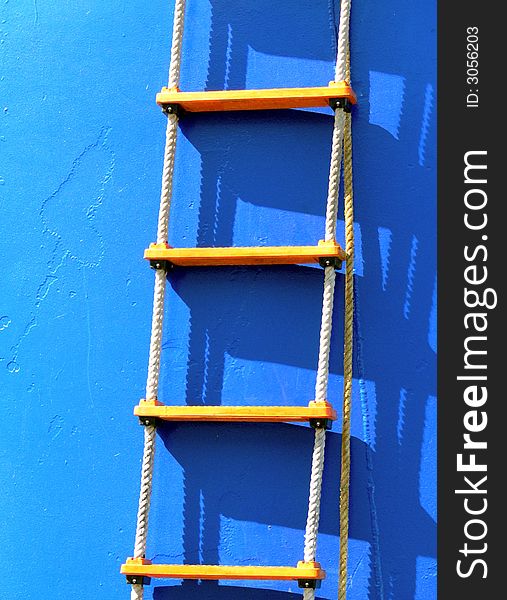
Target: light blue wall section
[81, 146]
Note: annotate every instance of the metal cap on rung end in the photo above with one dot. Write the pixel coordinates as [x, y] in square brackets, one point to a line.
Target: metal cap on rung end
[309, 584]
[343, 103]
[148, 421]
[157, 264]
[173, 109]
[137, 580]
[330, 261]
[321, 423]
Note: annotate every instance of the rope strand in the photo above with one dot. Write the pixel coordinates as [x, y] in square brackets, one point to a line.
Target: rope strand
[309, 594]
[341, 149]
[167, 178]
[177, 43]
[347, 357]
[172, 123]
[343, 42]
[312, 523]
[137, 591]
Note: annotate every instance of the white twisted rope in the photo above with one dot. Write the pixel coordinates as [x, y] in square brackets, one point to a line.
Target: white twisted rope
[172, 123]
[341, 128]
[341, 71]
[312, 523]
[145, 495]
[325, 335]
[334, 175]
[157, 322]
[325, 338]
[167, 178]
[177, 42]
[137, 591]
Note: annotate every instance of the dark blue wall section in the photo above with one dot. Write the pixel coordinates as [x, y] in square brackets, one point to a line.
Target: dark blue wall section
[81, 146]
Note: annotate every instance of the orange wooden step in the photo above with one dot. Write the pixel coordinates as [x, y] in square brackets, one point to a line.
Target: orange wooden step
[246, 255]
[143, 567]
[256, 99]
[253, 414]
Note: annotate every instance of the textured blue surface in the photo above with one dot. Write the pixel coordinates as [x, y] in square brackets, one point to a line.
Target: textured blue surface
[80, 160]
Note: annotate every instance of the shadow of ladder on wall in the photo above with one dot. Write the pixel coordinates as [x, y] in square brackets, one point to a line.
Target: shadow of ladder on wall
[328, 253]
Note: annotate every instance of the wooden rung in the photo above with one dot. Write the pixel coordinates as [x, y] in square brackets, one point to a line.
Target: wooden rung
[255, 255]
[253, 414]
[256, 99]
[142, 567]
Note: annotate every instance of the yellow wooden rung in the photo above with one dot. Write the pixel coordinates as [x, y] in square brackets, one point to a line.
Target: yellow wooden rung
[254, 255]
[256, 99]
[253, 414]
[143, 568]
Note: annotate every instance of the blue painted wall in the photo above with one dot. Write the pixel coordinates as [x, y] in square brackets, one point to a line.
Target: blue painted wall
[80, 159]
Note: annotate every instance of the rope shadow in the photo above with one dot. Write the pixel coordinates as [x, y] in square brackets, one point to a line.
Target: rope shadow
[238, 28]
[236, 326]
[252, 485]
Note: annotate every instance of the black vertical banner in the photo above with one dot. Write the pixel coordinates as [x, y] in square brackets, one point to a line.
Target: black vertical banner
[472, 385]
